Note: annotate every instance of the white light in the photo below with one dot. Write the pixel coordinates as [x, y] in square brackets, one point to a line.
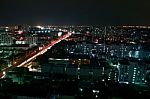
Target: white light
[78, 68]
[95, 91]
[73, 32]
[81, 89]
[38, 26]
[134, 70]
[15, 62]
[57, 59]
[4, 73]
[20, 32]
[59, 33]
[96, 96]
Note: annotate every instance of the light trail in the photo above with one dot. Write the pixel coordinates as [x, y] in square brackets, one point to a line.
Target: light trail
[42, 51]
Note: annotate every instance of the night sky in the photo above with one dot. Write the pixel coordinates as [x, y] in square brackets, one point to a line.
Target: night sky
[75, 12]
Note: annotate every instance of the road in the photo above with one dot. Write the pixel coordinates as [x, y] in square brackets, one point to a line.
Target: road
[31, 58]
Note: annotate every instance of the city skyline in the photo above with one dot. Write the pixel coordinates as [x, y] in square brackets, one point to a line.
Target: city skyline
[74, 12]
[79, 62]
[74, 49]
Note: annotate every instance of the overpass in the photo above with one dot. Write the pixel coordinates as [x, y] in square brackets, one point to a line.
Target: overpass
[33, 55]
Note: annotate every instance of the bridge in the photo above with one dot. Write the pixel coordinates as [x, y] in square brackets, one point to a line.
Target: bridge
[31, 56]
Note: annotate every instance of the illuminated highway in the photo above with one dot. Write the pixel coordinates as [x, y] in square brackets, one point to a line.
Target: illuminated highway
[41, 51]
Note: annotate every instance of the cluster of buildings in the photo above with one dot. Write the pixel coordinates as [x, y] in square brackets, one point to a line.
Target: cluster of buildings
[122, 71]
[120, 62]
[123, 62]
[18, 39]
[92, 56]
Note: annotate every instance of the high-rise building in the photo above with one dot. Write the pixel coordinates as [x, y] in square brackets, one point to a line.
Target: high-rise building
[132, 72]
[32, 39]
[113, 74]
[6, 39]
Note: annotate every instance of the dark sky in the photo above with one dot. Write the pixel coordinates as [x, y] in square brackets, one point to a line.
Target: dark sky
[90, 12]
